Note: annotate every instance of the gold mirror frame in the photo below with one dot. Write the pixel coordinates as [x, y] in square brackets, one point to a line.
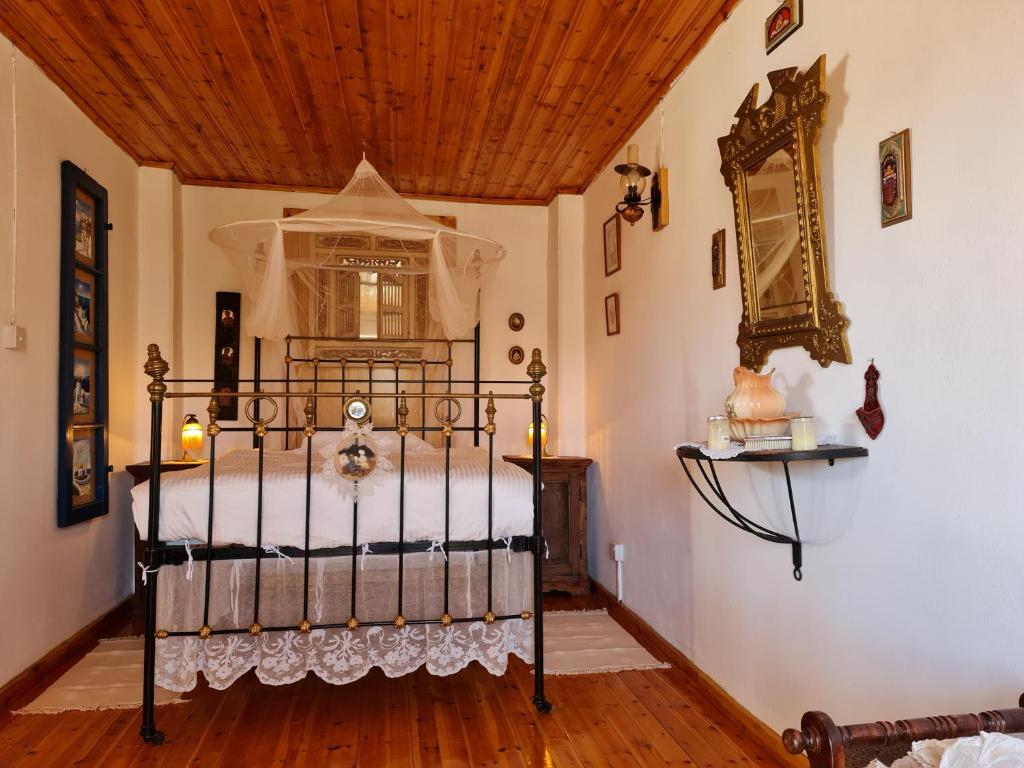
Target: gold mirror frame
[790, 119]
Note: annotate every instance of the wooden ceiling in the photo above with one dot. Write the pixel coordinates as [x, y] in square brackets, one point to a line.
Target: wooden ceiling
[496, 100]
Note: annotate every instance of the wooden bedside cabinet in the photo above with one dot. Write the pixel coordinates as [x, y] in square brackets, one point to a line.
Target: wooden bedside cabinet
[564, 519]
[140, 474]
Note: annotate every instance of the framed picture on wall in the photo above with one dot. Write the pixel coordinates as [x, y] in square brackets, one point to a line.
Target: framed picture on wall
[718, 260]
[227, 336]
[894, 178]
[782, 22]
[612, 245]
[611, 314]
[82, 491]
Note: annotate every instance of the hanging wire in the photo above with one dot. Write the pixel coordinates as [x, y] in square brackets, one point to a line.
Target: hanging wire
[14, 181]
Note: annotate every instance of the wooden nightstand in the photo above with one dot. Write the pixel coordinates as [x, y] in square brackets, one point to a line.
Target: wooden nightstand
[564, 520]
[140, 473]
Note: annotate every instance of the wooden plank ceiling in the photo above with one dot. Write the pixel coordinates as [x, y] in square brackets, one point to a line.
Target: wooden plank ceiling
[496, 100]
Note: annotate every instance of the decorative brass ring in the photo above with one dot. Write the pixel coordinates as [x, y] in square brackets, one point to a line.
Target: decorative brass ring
[456, 415]
[252, 402]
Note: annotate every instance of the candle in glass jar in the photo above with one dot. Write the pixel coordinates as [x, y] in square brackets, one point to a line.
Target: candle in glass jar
[718, 433]
[805, 436]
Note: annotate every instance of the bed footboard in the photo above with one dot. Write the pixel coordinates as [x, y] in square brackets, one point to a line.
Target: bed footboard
[854, 746]
[447, 411]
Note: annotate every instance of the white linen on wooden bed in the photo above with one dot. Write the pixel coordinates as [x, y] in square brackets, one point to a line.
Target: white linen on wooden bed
[184, 500]
[986, 750]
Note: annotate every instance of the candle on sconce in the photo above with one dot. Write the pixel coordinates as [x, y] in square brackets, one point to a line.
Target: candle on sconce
[805, 436]
[718, 433]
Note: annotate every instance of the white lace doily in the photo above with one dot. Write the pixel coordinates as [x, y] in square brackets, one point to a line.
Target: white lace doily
[734, 449]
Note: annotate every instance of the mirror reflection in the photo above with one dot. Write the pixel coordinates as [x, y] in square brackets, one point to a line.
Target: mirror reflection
[775, 237]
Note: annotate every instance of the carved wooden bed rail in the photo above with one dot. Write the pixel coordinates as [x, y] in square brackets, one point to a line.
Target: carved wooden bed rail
[854, 746]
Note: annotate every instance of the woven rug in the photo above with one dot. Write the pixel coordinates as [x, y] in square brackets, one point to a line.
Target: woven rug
[584, 642]
[109, 677]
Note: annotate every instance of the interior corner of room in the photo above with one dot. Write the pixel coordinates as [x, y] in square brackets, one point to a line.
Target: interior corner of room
[718, 440]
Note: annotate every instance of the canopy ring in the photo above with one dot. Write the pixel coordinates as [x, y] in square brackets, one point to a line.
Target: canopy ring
[454, 417]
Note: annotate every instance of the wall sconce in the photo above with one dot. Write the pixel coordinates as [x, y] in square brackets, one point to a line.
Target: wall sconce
[543, 436]
[633, 182]
[191, 437]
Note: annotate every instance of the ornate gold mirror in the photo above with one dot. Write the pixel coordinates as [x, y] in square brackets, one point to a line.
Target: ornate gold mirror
[770, 162]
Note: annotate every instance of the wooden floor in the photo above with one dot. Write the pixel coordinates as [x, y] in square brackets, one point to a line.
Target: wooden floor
[468, 719]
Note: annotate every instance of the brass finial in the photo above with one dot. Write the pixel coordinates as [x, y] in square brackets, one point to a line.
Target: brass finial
[156, 368]
[310, 410]
[255, 629]
[446, 620]
[162, 634]
[352, 623]
[316, 361]
[289, 359]
[399, 621]
[536, 370]
[205, 631]
[213, 429]
[369, 363]
[403, 416]
[305, 626]
[261, 428]
[490, 410]
[525, 615]
[489, 617]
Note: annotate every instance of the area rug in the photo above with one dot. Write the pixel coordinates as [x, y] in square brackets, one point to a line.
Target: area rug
[109, 677]
[584, 642]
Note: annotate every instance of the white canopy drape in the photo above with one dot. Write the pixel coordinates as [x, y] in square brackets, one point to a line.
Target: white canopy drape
[459, 263]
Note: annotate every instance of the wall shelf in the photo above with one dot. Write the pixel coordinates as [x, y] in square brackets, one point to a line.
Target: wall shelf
[735, 518]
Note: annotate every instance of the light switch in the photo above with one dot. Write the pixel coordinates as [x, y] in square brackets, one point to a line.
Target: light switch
[14, 337]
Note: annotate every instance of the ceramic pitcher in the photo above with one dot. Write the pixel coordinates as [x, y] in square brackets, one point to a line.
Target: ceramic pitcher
[754, 396]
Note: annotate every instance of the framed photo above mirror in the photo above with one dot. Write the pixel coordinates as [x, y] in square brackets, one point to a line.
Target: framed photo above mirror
[770, 163]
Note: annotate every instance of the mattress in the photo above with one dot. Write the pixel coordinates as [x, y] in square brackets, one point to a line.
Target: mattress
[185, 495]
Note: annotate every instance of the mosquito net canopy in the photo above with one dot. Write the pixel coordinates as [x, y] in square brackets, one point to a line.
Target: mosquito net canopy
[274, 255]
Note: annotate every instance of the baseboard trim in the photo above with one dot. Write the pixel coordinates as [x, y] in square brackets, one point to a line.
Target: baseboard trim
[28, 683]
[757, 731]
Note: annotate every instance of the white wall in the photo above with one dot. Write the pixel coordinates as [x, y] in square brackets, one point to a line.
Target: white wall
[54, 580]
[910, 599]
[520, 284]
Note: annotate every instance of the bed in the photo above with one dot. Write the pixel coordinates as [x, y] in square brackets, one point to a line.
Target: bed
[363, 547]
[828, 745]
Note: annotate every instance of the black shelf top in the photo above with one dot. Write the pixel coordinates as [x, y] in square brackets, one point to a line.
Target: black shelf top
[821, 453]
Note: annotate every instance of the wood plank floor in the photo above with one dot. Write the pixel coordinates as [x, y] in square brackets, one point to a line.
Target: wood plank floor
[648, 718]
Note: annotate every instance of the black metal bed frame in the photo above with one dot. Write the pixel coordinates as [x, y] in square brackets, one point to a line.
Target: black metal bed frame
[158, 553]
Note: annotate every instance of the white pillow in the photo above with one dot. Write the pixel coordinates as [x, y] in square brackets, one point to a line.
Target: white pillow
[386, 442]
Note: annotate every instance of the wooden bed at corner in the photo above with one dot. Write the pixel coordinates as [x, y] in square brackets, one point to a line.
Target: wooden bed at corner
[828, 745]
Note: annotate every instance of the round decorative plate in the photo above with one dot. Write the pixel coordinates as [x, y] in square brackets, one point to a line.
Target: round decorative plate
[516, 355]
[516, 321]
[357, 409]
[355, 461]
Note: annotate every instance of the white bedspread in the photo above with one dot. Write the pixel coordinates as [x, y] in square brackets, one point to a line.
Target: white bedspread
[185, 501]
[986, 750]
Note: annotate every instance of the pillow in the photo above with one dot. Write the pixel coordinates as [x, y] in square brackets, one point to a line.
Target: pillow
[386, 442]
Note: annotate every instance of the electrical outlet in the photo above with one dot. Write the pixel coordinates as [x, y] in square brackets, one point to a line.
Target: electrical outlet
[618, 552]
[14, 337]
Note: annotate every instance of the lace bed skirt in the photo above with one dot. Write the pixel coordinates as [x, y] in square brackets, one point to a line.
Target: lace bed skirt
[340, 655]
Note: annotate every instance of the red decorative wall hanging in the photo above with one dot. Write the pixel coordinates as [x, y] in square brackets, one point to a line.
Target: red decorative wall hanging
[870, 414]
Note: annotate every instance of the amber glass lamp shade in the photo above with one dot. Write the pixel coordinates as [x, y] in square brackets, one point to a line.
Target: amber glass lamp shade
[191, 437]
[543, 436]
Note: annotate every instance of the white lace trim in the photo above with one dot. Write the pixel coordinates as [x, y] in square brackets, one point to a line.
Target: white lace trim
[734, 449]
[340, 656]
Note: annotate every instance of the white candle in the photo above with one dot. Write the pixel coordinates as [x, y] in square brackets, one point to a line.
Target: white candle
[718, 433]
[633, 154]
[805, 436]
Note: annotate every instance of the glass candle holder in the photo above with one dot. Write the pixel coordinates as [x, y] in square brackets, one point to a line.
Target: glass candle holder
[805, 435]
[718, 433]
